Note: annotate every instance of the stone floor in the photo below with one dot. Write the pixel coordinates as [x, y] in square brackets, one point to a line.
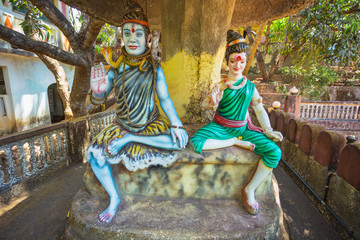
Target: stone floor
[42, 213]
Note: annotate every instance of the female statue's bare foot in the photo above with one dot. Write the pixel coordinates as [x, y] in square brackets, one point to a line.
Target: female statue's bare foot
[107, 215]
[116, 144]
[249, 202]
[244, 144]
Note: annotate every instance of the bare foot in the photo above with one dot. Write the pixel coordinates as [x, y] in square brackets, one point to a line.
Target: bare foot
[245, 144]
[249, 202]
[107, 215]
[115, 146]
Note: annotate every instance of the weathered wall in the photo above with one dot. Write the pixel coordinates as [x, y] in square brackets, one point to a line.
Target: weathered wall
[193, 40]
[325, 162]
[27, 80]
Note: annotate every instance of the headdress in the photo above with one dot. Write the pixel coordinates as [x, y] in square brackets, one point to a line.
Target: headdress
[240, 40]
[235, 44]
[135, 14]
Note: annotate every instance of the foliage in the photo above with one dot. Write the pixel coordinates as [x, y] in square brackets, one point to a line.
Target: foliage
[323, 41]
[106, 37]
[331, 32]
[314, 80]
[32, 22]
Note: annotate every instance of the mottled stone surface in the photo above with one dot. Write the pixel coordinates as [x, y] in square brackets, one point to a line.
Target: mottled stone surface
[344, 200]
[313, 173]
[176, 218]
[219, 173]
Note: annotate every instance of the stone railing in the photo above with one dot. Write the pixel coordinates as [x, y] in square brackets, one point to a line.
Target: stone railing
[96, 124]
[330, 110]
[31, 155]
[28, 154]
[325, 162]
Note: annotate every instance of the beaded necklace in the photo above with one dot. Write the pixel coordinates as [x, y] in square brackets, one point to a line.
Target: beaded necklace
[231, 86]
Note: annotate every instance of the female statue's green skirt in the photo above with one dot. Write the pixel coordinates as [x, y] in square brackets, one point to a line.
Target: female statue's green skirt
[233, 106]
[269, 152]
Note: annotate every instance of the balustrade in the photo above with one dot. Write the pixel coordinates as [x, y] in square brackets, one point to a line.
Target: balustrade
[99, 121]
[333, 111]
[31, 153]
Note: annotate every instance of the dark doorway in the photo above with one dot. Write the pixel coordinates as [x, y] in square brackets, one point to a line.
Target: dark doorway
[55, 104]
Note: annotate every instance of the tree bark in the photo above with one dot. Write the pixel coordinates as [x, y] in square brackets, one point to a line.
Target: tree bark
[80, 88]
[18, 40]
[61, 83]
[58, 72]
[254, 47]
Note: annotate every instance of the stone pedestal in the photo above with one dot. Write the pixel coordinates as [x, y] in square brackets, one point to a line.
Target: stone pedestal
[292, 105]
[194, 198]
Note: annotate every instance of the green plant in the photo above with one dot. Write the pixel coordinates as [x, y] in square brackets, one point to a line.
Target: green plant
[315, 79]
[106, 37]
[32, 22]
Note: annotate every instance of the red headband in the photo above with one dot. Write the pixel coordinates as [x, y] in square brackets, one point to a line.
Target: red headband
[141, 22]
[243, 40]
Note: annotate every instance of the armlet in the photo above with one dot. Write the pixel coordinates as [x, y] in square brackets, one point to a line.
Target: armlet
[256, 102]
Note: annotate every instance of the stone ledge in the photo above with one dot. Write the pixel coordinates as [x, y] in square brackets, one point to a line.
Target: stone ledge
[179, 218]
[218, 173]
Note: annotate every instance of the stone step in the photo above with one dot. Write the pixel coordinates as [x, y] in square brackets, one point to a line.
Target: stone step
[218, 173]
[142, 217]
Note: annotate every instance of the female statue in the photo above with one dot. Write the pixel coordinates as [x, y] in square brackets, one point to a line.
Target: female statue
[140, 136]
[232, 125]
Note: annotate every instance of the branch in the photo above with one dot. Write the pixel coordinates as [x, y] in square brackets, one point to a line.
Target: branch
[18, 40]
[57, 18]
[353, 9]
[89, 31]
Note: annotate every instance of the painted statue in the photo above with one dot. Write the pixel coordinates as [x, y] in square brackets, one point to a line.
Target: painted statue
[140, 136]
[232, 125]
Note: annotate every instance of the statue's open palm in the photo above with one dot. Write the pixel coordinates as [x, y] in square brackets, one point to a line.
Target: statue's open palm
[98, 80]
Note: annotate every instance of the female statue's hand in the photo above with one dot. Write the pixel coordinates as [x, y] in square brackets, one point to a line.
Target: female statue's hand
[180, 135]
[216, 95]
[98, 80]
[274, 135]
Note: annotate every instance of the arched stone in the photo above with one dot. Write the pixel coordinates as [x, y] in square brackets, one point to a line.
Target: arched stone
[327, 148]
[291, 130]
[305, 139]
[308, 136]
[349, 165]
[273, 118]
[281, 124]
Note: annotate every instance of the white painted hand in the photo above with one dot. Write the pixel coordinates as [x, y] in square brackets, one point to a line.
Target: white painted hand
[98, 80]
[181, 135]
[274, 135]
[216, 95]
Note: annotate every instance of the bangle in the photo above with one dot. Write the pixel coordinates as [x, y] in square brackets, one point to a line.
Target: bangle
[100, 102]
[96, 101]
[174, 126]
[267, 129]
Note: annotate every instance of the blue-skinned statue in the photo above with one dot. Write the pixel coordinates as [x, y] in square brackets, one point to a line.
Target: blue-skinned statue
[140, 136]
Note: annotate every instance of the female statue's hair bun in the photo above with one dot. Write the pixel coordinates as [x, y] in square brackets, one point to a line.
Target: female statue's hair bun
[232, 35]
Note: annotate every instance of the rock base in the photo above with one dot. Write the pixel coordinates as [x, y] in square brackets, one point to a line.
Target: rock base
[144, 217]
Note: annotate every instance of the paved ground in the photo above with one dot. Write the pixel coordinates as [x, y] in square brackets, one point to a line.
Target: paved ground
[43, 214]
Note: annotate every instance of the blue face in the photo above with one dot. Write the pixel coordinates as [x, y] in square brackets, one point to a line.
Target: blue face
[134, 39]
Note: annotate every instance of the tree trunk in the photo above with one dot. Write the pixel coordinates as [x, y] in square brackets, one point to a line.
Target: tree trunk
[262, 67]
[61, 83]
[254, 47]
[79, 90]
[59, 74]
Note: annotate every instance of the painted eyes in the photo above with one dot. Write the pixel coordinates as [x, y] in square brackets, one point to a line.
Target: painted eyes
[233, 61]
[138, 34]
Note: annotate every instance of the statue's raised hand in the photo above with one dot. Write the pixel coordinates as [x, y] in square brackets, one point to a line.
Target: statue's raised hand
[216, 95]
[98, 80]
